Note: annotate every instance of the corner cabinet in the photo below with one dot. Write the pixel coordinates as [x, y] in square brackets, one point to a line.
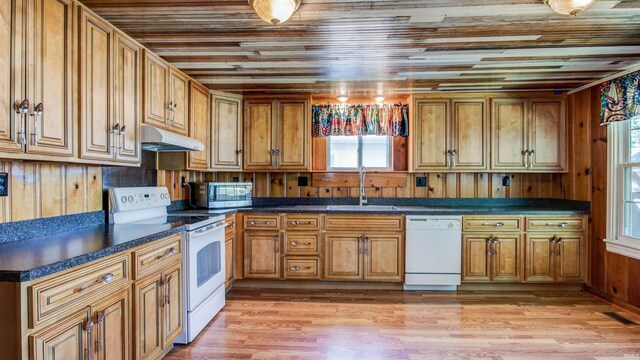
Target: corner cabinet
[226, 119]
[277, 134]
[450, 135]
[37, 78]
[109, 92]
[528, 135]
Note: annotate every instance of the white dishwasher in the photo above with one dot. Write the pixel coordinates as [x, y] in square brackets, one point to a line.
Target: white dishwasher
[433, 253]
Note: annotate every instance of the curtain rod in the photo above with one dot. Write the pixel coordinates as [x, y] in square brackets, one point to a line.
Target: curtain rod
[608, 78]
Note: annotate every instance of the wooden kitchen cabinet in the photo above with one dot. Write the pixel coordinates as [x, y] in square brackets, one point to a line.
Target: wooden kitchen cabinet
[528, 135]
[229, 251]
[172, 304]
[199, 126]
[112, 327]
[13, 58]
[382, 257]
[148, 317]
[226, 119]
[66, 340]
[450, 135]
[262, 254]
[488, 257]
[165, 95]
[344, 256]
[277, 134]
[554, 258]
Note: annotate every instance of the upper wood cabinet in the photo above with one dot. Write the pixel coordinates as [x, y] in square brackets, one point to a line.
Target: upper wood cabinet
[528, 135]
[226, 117]
[199, 126]
[277, 134]
[109, 92]
[450, 135]
[165, 95]
[43, 89]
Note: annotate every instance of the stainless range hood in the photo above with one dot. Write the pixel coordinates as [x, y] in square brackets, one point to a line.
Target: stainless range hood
[157, 140]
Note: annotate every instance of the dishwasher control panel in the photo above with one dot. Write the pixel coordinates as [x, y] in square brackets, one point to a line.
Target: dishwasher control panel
[433, 223]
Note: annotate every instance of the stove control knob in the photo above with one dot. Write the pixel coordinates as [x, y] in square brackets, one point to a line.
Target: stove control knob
[123, 199]
[130, 198]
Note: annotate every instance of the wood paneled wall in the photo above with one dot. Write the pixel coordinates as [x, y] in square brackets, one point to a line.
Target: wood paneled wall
[38, 190]
[613, 276]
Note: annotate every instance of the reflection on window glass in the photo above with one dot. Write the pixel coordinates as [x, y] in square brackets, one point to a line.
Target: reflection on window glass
[632, 202]
[375, 151]
[634, 154]
[344, 152]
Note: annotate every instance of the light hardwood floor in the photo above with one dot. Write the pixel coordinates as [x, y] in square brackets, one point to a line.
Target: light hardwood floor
[285, 324]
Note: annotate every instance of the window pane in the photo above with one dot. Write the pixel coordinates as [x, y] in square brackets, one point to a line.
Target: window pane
[344, 152]
[631, 209]
[635, 122]
[634, 154]
[375, 151]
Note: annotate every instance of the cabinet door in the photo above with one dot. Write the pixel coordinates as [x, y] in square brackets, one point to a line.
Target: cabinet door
[11, 62]
[506, 258]
[508, 135]
[113, 327]
[547, 135]
[539, 260]
[569, 258]
[172, 305]
[343, 256]
[475, 258]
[228, 261]
[258, 132]
[199, 126]
[97, 141]
[179, 96]
[65, 340]
[470, 135]
[127, 97]
[50, 77]
[431, 135]
[156, 75]
[383, 256]
[262, 255]
[148, 296]
[227, 132]
[293, 135]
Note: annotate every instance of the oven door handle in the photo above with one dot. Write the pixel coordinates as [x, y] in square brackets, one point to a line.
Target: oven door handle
[203, 232]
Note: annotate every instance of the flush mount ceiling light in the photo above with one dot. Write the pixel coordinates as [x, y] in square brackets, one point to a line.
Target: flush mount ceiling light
[569, 7]
[342, 99]
[379, 99]
[275, 11]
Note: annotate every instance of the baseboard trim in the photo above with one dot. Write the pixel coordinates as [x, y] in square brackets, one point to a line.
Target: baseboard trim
[613, 301]
[521, 287]
[313, 285]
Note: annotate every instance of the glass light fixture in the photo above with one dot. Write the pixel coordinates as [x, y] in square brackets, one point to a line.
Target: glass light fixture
[569, 7]
[275, 11]
[379, 99]
[342, 99]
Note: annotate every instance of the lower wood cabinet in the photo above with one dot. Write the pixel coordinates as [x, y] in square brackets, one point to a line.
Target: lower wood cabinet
[492, 258]
[357, 256]
[229, 251]
[65, 340]
[551, 257]
[262, 254]
[112, 324]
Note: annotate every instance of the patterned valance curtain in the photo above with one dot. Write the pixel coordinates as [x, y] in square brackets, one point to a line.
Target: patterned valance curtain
[351, 120]
[620, 99]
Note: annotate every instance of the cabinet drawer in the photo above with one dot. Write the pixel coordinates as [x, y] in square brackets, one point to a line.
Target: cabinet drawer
[552, 223]
[302, 268]
[262, 222]
[230, 230]
[489, 223]
[63, 294]
[302, 243]
[302, 222]
[364, 223]
[157, 256]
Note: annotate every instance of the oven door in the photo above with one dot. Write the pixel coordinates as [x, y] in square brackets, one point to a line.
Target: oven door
[205, 263]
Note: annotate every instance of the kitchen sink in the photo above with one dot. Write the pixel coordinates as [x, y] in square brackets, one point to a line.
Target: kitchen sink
[362, 208]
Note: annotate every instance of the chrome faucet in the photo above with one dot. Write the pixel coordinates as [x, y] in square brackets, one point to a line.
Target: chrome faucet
[363, 197]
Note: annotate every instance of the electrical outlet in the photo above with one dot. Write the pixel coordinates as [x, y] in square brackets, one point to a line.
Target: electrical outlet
[235, 179]
[183, 181]
[4, 184]
[421, 181]
[506, 181]
[303, 181]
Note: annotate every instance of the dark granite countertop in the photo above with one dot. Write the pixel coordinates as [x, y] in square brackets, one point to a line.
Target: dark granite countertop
[418, 210]
[34, 258]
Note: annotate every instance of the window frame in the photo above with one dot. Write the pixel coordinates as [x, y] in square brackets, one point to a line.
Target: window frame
[360, 155]
[618, 150]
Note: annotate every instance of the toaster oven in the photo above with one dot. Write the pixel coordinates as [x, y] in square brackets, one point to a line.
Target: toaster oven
[216, 195]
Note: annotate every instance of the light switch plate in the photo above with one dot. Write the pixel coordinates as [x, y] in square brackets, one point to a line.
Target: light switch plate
[421, 181]
[4, 184]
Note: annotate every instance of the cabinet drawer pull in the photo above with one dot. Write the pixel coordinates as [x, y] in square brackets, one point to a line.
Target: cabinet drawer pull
[301, 223]
[170, 252]
[254, 223]
[277, 241]
[498, 224]
[88, 328]
[103, 280]
[298, 268]
[297, 243]
[562, 225]
[101, 316]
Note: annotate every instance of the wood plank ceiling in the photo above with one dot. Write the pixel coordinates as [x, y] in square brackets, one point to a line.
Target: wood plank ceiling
[352, 47]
